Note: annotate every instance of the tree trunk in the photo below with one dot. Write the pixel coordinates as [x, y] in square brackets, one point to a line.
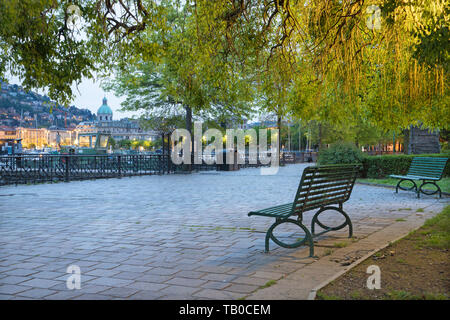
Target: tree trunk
[320, 137]
[189, 128]
[279, 137]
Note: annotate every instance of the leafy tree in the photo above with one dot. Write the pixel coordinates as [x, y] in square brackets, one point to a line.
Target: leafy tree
[125, 143]
[112, 142]
[335, 67]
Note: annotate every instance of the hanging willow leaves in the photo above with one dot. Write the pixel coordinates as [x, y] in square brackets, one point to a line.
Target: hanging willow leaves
[329, 57]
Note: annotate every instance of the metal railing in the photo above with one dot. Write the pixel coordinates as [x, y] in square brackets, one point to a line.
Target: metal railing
[42, 168]
[18, 169]
[298, 156]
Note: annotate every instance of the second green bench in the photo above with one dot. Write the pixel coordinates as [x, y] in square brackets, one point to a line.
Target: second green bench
[423, 168]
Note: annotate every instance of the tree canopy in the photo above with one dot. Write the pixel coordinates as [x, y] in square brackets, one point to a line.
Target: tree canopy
[384, 62]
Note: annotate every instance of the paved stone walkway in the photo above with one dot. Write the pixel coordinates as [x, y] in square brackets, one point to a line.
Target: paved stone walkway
[172, 236]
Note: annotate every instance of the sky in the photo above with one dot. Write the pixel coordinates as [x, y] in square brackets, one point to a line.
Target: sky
[89, 95]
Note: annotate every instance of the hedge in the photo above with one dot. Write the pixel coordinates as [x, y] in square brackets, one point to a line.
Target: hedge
[383, 166]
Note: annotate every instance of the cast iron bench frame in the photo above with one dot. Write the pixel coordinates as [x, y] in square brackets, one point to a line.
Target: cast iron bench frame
[321, 187]
[423, 168]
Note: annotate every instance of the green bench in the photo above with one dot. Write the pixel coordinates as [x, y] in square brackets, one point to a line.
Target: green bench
[423, 168]
[321, 187]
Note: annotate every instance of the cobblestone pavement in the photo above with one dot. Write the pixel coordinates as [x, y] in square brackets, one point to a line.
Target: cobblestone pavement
[167, 237]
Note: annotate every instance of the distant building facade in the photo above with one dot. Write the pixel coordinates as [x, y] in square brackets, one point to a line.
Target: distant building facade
[52, 137]
[124, 129]
[7, 133]
[421, 140]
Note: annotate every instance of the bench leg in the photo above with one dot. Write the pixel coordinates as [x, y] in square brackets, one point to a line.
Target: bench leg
[406, 189]
[347, 222]
[438, 189]
[308, 237]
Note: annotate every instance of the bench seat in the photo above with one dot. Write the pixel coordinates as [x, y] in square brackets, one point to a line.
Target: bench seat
[414, 177]
[281, 211]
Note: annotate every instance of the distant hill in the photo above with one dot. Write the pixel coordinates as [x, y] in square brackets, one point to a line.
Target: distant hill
[21, 108]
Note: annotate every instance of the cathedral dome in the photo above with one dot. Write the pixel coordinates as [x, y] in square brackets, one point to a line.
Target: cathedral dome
[104, 113]
[104, 108]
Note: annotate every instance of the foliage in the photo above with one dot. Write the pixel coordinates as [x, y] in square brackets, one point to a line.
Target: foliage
[297, 134]
[136, 144]
[112, 142]
[360, 132]
[340, 153]
[445, 147]
[193, 74]
[124, 143]
[316, 61]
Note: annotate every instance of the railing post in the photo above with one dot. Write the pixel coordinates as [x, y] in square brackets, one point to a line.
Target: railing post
[67, 169]
[169, 163]
[119, 165]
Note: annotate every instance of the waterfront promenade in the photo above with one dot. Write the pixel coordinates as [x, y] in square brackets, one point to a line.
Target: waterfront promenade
[179, 236]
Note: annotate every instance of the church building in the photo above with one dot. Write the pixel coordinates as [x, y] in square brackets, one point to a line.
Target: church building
[123, 129]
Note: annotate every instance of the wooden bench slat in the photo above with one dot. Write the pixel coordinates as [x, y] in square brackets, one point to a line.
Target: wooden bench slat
[438, 170]
[428, 163]
[426, 169]
[324, 180]
[329, 184]
[337, 195]
[322, 191]
[317, 174]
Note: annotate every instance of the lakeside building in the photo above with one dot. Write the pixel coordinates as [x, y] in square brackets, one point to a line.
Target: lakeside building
[44, 137]
[124, 129]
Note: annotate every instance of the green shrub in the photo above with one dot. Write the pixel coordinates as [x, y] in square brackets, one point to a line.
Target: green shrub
[383, 166]
[445, 148]
[340, 153]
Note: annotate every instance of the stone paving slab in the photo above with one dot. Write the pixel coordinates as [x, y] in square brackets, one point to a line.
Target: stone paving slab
[176, 236]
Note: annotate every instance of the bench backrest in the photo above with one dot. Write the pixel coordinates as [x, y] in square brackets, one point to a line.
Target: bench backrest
[432, 167]
[324, 185]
